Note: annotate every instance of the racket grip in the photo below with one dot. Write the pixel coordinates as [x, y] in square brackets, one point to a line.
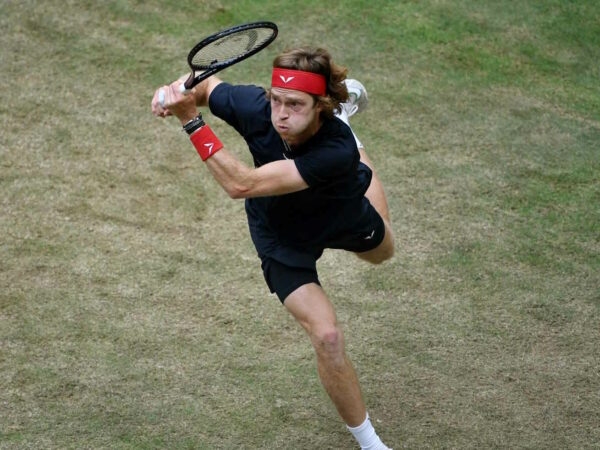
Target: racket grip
[183, 89]
[161, 94]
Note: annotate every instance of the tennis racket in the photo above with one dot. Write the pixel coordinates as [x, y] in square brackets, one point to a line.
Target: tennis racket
[224, 49]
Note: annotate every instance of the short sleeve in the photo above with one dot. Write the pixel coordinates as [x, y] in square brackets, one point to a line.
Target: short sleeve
[334, 156]
[242, 107]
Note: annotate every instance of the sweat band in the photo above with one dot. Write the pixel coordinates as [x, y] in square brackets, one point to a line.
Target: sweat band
[299, 80]
[205, 142]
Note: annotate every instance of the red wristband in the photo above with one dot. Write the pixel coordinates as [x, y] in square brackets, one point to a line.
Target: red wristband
[205, 142]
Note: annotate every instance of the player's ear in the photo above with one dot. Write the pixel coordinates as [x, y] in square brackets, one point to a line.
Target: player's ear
[318, 104]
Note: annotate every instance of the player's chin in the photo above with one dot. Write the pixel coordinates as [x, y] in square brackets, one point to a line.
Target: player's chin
[282, 130]
[287, 136]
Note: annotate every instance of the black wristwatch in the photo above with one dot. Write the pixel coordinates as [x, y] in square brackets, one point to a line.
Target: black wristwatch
[194, 124]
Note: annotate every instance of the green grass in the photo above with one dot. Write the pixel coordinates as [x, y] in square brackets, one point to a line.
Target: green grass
[133, 312]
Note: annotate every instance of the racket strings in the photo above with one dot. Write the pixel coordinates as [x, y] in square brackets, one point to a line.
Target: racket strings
[231, 47]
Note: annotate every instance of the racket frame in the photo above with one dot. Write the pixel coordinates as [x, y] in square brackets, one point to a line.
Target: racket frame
[211, 69]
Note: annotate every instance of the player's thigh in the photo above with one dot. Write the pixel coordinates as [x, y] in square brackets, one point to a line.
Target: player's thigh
[311, 307]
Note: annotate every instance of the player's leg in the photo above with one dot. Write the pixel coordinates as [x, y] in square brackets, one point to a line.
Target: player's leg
[376, 195]
[300, 292]
[299, 289]
[356, 103]
[311, 307]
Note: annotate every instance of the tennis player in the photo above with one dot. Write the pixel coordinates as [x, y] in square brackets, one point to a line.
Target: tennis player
[312, 187]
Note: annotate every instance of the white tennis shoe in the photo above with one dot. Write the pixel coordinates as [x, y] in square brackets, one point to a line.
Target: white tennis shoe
[358, 98]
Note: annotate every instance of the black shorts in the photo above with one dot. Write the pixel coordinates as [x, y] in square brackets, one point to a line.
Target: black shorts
[283, 279]
[286, 266]
[367, 235]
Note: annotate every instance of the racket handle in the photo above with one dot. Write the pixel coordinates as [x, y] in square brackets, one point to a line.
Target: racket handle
[161, 94]
[183, 89]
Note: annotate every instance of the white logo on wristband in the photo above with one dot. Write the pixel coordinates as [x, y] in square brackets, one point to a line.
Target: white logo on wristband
[209, 146]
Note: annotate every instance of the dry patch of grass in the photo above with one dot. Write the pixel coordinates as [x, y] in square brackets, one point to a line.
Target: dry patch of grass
[133, 310]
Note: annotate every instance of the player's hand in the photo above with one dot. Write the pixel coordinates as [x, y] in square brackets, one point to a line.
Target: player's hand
[158, 106]
[169, 100]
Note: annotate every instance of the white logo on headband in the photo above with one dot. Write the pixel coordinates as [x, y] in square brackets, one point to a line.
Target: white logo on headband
[286, 80]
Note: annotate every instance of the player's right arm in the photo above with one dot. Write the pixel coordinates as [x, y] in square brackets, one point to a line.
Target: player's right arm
[242, 181]
[236, 178]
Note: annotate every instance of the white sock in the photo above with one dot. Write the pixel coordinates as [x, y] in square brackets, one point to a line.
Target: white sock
[366, 436]
[343, 116]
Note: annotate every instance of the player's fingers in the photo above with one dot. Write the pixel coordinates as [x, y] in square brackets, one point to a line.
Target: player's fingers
[159, 102]
[169, 100]
[157, 105]
[179, 89]
[176, 94]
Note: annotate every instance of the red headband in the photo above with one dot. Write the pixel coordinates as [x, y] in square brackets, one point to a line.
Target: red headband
[299, 80]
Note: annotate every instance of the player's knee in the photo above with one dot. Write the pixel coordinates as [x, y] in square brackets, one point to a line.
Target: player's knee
[378, 255]
[328, 340]
[385, 253]
[387, 247]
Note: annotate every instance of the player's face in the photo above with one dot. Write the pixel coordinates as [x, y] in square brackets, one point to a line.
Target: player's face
[295, 115]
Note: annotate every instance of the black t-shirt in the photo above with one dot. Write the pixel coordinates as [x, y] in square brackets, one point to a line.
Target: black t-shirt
[328, 162]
